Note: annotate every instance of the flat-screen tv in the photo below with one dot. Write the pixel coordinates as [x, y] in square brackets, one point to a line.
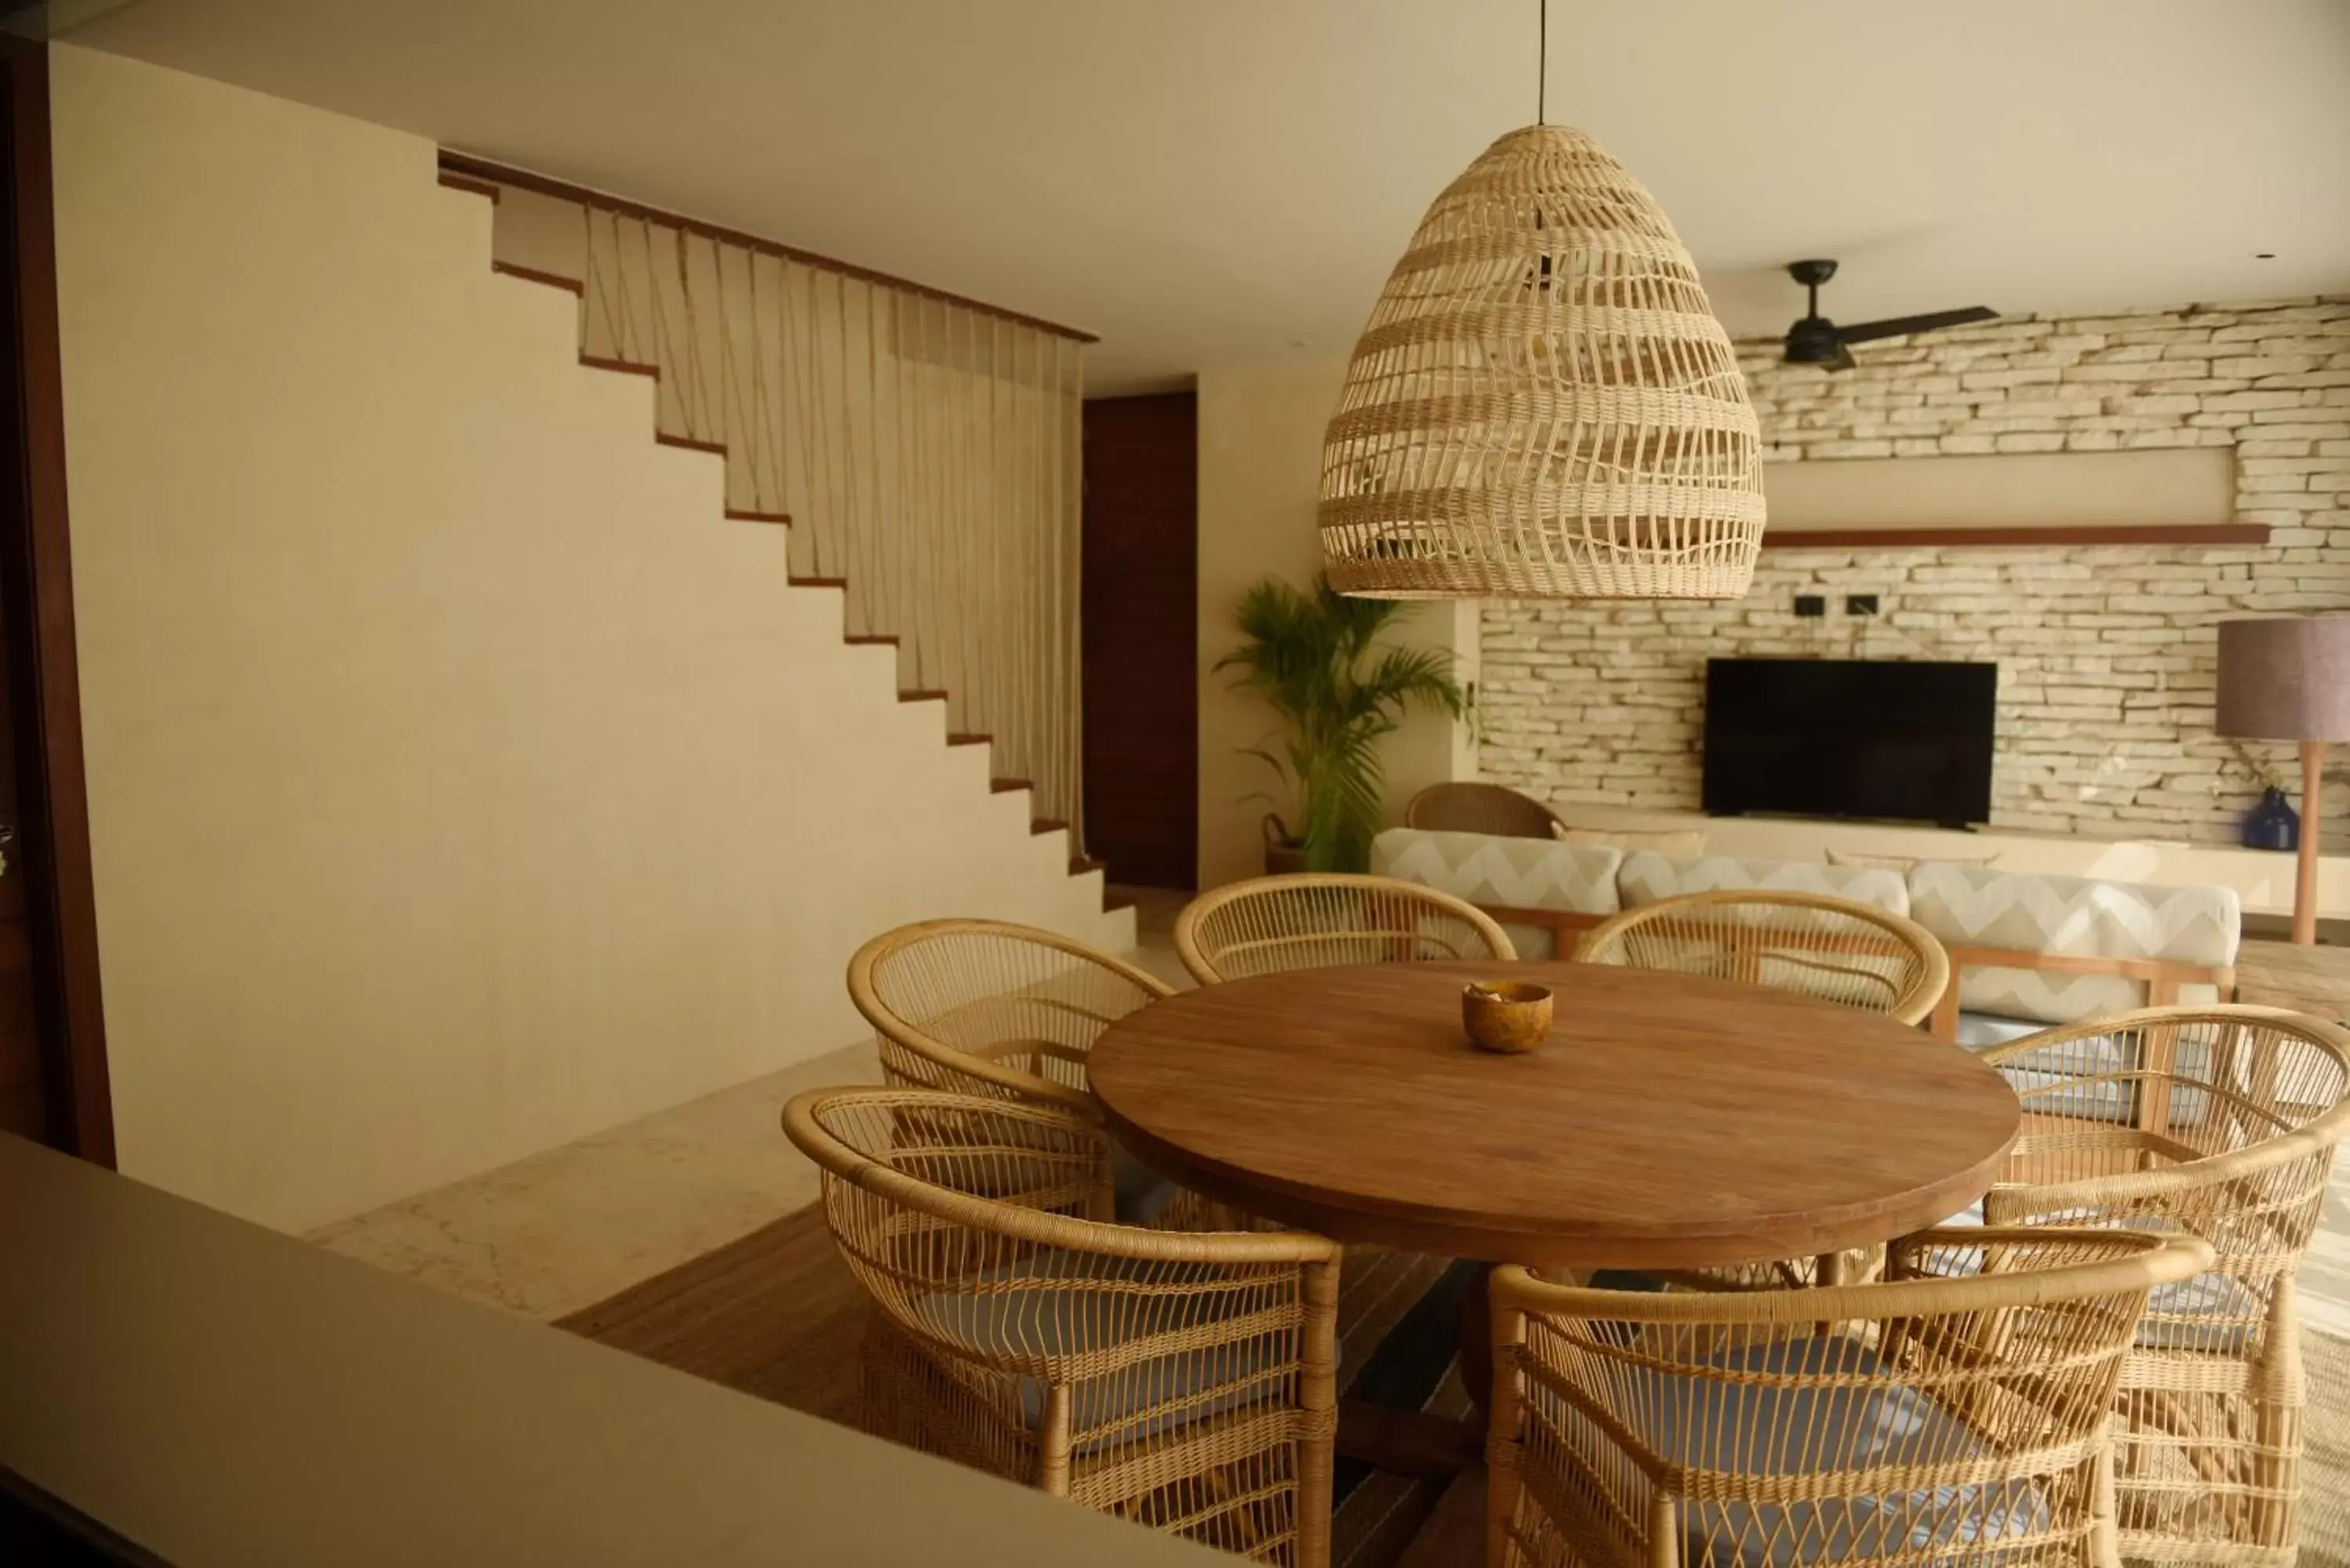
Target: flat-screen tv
[1896, 740]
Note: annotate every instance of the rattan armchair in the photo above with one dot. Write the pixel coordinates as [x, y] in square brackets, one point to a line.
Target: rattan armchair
[1321, 919]
[1921, 1420]
[1852, 954]
[2224, 1121]
[986, 1007]
[1479, 808]
[1184, 1381]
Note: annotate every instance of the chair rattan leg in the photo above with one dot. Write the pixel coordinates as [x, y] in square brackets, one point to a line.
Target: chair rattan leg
[1317, 1394]
[1052, 1442]
[1504, 1478]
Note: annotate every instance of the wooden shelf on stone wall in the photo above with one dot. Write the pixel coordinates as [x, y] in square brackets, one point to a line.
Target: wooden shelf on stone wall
[2012, 538]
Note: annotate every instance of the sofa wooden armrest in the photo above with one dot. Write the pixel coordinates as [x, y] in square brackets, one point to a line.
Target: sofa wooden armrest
[1567, 927]
[2162, 976]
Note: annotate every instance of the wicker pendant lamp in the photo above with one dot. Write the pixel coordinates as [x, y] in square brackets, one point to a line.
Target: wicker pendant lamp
[1543, 405]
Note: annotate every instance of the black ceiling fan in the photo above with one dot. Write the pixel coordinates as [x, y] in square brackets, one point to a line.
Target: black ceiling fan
[1816, 341]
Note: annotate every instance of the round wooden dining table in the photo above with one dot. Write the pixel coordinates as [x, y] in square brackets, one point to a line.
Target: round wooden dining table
[1669, 1121]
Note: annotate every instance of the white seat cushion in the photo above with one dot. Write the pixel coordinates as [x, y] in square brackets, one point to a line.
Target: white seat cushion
[2072, 917]
[1496, 872]
[1648, 877]
[2034, 1073]
[1046, 1321]
[2177, 1316]
[1983, 1031]
[1781, 1430]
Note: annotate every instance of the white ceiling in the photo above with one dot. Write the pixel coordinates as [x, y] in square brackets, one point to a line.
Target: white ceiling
[1201, 180]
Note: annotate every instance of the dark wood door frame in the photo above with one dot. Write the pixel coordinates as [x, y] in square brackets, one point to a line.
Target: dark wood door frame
[52, 847]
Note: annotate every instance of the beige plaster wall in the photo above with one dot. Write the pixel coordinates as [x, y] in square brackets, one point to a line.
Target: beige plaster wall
[459, 782]
[1261, 427]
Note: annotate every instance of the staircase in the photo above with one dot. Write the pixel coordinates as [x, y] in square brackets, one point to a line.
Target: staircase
[956, 588]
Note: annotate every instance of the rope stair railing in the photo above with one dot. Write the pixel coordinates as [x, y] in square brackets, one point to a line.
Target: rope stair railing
[924, 452]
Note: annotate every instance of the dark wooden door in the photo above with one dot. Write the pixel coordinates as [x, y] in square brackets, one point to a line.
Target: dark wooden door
[24, 1100]
[1141, 638]
[53, 1079]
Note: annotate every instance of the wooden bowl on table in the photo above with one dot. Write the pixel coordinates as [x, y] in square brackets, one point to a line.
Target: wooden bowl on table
[1506, 1015]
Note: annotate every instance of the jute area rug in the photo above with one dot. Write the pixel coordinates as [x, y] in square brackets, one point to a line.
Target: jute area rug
[2326, 1455]
[775, 1315]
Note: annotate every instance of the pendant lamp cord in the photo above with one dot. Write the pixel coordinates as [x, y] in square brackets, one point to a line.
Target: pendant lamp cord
[1542, 65]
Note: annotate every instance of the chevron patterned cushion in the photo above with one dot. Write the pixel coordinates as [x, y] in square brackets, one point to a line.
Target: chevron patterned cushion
[2078, 917]
[1513, 873]
[1648, 878]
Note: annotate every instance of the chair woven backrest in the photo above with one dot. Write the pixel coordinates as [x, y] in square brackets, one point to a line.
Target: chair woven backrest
[1322, 920]
[1183, 1380]
[1852, 954]
[1918, 1420]
[1479, 808]
[985, 1007]
[2224, 1121]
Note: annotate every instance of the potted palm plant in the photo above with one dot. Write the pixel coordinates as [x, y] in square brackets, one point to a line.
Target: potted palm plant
[1316, 660]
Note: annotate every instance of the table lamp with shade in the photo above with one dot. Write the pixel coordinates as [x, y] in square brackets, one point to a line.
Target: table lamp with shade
[2288, 679]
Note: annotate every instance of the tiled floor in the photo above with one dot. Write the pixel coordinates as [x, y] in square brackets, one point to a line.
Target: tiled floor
[2325, 1273]
[1155, 909]
[551, 1234]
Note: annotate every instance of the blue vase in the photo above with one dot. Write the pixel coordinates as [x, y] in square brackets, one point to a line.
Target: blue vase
[2273, 824]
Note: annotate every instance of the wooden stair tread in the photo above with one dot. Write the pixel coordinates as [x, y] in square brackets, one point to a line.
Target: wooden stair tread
[1079, 864]
[472, 187]
[532, 274]
[620, 367]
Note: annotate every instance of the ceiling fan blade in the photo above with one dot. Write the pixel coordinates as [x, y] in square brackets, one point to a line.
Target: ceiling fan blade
[1842, 360]
[1900, 325]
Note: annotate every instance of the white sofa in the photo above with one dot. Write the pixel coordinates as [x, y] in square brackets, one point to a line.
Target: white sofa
[2029, 950]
